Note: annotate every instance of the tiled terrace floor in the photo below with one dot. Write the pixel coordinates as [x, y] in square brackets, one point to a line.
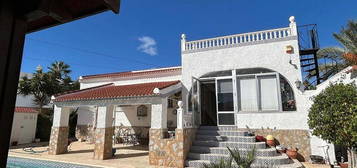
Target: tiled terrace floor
[82, 153]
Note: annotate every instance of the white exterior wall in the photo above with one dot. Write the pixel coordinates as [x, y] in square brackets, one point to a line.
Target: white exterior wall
[271, 55]
[124, 115]
[86, 115]
[24, 128]
[98, 82]
[25, 101]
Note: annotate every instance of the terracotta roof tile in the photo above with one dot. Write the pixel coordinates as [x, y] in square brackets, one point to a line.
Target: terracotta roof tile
[135, 73]
[25, 110]
[112, 91]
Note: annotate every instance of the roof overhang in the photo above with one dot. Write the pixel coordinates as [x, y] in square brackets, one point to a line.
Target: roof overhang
[154, 97]
[42, 14]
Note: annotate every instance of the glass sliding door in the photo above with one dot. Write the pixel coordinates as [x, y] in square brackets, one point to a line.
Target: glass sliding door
[268, 87]
[247, 89]
[225, 102]
[258, 92]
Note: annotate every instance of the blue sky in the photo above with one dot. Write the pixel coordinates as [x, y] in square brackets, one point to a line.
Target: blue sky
[146, 34]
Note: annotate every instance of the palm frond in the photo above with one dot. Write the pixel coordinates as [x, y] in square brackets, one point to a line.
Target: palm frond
[242, 162]
[348, 36]
[222, 163]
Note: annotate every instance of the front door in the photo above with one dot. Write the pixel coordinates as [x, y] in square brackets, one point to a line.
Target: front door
[208, 103]
[225, 101]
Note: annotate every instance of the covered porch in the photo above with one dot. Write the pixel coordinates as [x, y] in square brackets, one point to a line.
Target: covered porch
[107, 100]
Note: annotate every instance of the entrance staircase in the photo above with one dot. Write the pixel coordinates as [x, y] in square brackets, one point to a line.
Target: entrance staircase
[211, 145]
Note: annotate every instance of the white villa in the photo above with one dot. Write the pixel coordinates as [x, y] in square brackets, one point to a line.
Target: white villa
[225, 87]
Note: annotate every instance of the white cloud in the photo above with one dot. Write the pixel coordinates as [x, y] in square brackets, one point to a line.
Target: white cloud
[148, 45]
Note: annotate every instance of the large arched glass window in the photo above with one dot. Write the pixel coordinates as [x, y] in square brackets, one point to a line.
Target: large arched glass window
[287, 95]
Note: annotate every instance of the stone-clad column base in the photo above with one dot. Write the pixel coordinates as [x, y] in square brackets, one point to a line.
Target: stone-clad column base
[170, 152]
[103, 143]
[58, 140]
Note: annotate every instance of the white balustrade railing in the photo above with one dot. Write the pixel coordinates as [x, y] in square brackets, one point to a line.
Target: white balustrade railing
[237, 39]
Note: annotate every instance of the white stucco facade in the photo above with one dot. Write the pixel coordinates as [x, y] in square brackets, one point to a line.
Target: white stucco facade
[23, 128]
[275, 50]
[24, 122]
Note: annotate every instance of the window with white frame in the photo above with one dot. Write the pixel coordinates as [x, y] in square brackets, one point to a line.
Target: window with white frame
[258, 92]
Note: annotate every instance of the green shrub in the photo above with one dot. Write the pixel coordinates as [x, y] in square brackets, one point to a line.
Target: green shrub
[333, 115]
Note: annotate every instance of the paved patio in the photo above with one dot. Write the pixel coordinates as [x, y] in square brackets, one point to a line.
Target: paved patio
[82, 153]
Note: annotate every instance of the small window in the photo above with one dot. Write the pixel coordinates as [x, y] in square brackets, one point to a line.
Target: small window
[170, 103]
[142, 111]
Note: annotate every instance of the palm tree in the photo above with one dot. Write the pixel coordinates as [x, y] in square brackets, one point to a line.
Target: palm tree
[59, 70]
[45, 84]
[40, 86]
[337, 57]
[59, 73]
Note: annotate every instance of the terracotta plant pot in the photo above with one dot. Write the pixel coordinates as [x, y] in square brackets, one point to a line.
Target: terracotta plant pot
[271, 143]
[259, 138]
[292, 153]
[270, 140]
[344, 165]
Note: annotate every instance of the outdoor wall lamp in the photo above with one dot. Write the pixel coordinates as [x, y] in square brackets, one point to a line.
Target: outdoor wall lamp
[298, 84]
[289, 49]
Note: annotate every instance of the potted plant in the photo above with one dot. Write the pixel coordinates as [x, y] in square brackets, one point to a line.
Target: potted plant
[343, 164]
[260, 138]
[270, 140]
[292, 152]
[281, 148]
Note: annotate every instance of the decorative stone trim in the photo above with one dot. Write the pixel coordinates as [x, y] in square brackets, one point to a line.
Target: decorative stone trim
[58, 140]
[170, 152]
[290, 138]
[103, 143]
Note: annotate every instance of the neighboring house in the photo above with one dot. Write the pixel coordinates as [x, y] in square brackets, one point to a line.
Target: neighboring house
[245, 81]
[25, 119]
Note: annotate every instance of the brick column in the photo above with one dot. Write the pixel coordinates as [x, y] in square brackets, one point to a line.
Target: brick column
[59, 132]
[104, 133]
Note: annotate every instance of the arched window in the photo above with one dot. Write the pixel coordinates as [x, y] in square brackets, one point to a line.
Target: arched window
[142, 111]
[287, 95]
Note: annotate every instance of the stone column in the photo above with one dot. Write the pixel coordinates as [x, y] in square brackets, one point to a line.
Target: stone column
[59, 132]
[157, 132]
[104, 133]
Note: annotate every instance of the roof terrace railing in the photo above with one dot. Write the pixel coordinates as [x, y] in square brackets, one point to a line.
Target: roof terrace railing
[239, 38]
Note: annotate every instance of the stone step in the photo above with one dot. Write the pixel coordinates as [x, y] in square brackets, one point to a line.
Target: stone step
[221, 128]
[226, 138]
[240, 145]
[224, 150]
[199, 164]
[221, 133]
[259, 160]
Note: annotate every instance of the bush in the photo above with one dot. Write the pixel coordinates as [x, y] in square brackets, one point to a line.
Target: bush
[333, 115]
